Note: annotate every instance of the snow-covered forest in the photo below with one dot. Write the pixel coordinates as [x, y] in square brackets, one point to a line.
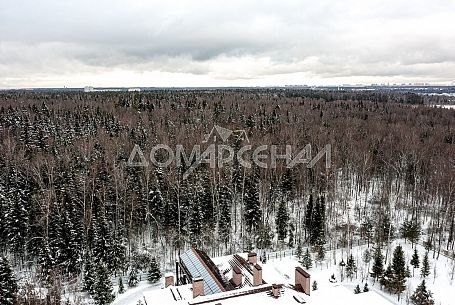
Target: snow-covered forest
[75, 218]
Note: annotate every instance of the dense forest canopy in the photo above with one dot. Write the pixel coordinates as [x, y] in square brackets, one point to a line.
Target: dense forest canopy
[67, 197]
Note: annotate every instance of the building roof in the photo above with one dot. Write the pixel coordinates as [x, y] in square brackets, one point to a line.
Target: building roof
[199, 265]
[302, 272]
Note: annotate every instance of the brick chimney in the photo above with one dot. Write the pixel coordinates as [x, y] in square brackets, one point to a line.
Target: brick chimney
[168, 280]
[198, 287]
[302, 280]
[257, 275]
[252, 258]
[276, 291]
[236, 276]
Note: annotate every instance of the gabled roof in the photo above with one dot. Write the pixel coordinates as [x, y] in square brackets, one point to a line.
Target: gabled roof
[199, 265]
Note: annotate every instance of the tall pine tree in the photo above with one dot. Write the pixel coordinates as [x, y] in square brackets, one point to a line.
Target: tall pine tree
[8, 283]
[281, 221]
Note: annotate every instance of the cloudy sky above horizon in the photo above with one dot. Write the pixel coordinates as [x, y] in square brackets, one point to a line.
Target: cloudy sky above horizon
[50, 43]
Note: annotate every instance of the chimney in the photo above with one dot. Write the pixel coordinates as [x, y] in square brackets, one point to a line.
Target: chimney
[168, 280]
[257, 275]
[252, 258]
[302, 280]
[236, 276]
[198, 287]
[275, 291]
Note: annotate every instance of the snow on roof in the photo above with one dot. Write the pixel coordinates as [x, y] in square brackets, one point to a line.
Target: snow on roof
[169, 296]
[251, 297]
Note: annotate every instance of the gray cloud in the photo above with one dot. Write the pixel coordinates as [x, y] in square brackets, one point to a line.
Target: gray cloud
[46, 43]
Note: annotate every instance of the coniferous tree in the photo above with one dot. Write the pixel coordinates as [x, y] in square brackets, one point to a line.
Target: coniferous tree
[89, 275]
[299, 251]
[288, 184]
[8, 283]
[252, 209]
[281, 221]
[309, 215]
[425, 271]
[320, 253]
[367, 230]
[357, 289]
[398, 284]
[17, 220]
[378, 264]
[118, 251]
[411, 230]
[265, 236]
[157, 205]
[196, 223]
[154, 273]
[307, 262]
[133, 278]
[224, 225]
[317, 231]
[102, 292]
[102, 241]
[291, 235]
[351, 267]
[415, 263]
[422, 296]
[386, 279]
[365, 288]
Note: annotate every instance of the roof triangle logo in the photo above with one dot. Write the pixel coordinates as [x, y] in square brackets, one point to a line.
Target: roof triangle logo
[224, 134]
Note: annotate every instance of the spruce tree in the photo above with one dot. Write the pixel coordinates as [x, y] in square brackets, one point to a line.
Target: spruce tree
[281, 221]
[309, 214]
[387, 278]
[422, 296]
[196, 223]
[252, 210]
[415, 263]
[299, 251]
[351, 267]
[378, 264]
[317, 231]
[133, 279]
[89, 275]
[367, 230]
[320, 253]
[425, 271]
[102, 293]
[357, 289]
[224, 224]
[288, 184]
[307, 262]
[291, 236]
[154, 271]
[399, 271]
[8, 283]
[17, 220]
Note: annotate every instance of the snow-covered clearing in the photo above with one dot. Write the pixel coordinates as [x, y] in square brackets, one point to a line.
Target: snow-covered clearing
[282, 271]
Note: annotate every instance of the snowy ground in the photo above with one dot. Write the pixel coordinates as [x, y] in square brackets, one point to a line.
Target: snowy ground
[281, 271]
[445, 106]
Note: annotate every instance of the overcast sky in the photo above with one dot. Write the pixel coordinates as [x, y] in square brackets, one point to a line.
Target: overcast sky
[56, 43]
